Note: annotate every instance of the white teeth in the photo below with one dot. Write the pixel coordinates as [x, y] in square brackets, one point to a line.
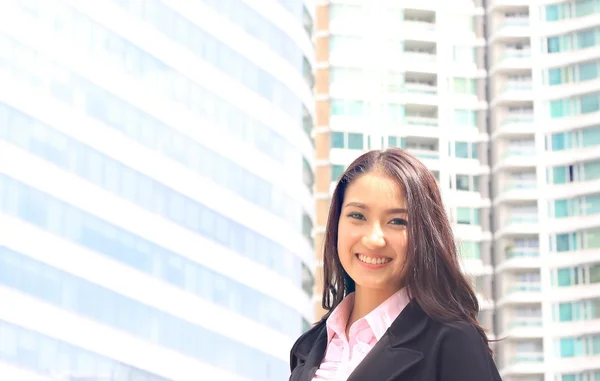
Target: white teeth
[373, 261]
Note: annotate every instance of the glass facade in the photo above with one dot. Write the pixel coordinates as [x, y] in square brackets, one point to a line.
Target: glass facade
[115, 310]
[571, 9]
[47, 355]
[70, 27]
[191, 106]
[60, 218]
[111, 175]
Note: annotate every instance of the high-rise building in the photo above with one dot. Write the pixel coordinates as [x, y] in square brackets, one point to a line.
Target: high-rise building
[155, 188]
[545, 101]
[500, 100]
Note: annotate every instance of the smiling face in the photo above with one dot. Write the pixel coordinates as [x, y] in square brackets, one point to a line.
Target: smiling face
[372, 232]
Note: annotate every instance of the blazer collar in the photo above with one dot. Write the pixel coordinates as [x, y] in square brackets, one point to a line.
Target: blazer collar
[310, 350]
[388, 358]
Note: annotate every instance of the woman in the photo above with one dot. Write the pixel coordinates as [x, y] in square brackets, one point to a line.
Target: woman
[399, 308]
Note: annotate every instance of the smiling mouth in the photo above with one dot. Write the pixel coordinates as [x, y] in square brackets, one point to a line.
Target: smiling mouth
[373, 261]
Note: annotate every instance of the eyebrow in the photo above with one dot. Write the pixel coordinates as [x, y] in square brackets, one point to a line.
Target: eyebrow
[363, 206]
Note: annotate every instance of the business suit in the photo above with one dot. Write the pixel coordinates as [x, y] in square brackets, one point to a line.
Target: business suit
[414, 348]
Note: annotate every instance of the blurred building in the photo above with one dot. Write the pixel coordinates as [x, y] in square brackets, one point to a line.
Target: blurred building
[511, 132]
[155, 188]
[544, 63]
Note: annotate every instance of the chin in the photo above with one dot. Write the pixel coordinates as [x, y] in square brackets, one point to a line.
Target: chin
[374, 284]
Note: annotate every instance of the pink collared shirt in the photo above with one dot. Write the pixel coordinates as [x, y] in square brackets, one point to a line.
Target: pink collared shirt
[343, 353]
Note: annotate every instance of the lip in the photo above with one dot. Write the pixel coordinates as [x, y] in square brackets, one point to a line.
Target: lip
[370, 265]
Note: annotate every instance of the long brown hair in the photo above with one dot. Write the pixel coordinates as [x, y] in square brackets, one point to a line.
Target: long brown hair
[432, 271]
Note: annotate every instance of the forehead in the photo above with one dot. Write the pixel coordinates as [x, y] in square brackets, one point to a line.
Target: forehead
[376, 188]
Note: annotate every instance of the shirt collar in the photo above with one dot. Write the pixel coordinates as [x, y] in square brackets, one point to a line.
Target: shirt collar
[379, 320]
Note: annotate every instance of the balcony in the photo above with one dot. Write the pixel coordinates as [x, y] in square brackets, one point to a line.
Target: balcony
[524, 327]
[517, 86]
[520, 322]
[521, 219]
[524, 185]
[527, 357]
[417, 56]
[524, 54]
[521, 224]
[515, 125]
[517, 119]
[502, 5]
[417, 30]
[514, 92]
[511, 28]
[513, 60]
[525, 252]
[518, 152]
[527, 287]
[517, 190]
[520, 258]
[420, 25]
[517, 158]
[424, 154]
[515, 21]
[421, 121]
[420, 88]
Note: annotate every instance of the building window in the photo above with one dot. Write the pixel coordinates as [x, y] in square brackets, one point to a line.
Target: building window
[462, 182]
[337, 171]
[590, 103]
[344, 45]
[470, 250]
[396, 142]
[308, 281]
[552, 12]
[585, 7]
[465, 118]
[395, 112]
[337, 139]
[464, 54]
[588, 71]
[553, 44]
[345, 76]
[464, 150]
[349, 140]
[355, 141]
[586, 38]
[467, 216]
[555, 76]
[352, 108]
[464, 85]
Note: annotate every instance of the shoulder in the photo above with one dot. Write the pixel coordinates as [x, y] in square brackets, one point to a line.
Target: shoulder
[452, 336]
[303, 345]
[463, 353]
[461, 333]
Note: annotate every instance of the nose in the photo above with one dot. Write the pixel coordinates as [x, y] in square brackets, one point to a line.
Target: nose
[374, 238]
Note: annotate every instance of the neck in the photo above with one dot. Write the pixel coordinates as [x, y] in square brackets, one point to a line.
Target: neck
[365, 301]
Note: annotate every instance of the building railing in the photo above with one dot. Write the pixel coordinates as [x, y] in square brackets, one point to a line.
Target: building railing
[527, 357]
[524, 287]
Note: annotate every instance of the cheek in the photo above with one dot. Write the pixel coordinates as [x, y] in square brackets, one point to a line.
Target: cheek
[348, 237]
[401, 242]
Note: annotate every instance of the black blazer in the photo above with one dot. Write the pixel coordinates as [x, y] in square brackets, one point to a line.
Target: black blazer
[414, 348]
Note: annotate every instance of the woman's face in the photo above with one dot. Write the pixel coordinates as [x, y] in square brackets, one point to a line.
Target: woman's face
[373, 233]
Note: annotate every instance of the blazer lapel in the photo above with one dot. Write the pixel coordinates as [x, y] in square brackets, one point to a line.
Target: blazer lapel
[310, 355]
[389, 359]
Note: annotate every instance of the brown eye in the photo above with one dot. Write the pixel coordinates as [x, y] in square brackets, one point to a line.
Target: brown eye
[357, 216]
[399, 221]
